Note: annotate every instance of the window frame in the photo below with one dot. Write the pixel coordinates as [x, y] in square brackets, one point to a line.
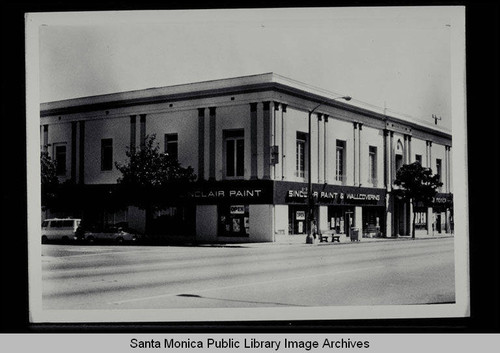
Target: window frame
[106, 152]
[301, 163]
[172, 139]
[237, 138]
[372, 165]
[59, 171]
[340, 165]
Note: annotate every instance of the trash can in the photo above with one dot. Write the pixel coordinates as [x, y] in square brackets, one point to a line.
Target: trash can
[354, 234]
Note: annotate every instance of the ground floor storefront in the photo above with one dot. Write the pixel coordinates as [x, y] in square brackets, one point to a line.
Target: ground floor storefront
[260, 211]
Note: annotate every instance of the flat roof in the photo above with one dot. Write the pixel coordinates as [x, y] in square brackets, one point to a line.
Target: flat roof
[258, 82]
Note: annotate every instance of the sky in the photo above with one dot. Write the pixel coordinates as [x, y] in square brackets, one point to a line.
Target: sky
[397, 58]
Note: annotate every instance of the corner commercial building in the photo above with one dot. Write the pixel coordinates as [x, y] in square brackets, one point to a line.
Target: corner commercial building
[247, 139]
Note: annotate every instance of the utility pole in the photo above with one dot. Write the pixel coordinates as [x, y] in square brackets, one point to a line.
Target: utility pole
[310, 199]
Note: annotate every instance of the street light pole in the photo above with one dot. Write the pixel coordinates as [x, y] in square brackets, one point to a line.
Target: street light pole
[310, 200]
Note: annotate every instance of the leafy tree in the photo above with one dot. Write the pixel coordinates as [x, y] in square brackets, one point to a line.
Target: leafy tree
[48, 177]
[48, 169]
[151, 178]
[417, 185]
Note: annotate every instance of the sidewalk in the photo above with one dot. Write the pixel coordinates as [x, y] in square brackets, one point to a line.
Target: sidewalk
[301, 240]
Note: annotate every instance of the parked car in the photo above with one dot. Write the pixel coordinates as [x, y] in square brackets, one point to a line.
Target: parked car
[108, 234]
[62, 229]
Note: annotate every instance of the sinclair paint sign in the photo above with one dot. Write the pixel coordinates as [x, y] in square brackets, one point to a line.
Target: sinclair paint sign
[242, 192]
[329, 194]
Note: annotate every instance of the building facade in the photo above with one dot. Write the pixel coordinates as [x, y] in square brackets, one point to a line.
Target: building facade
[248, 140]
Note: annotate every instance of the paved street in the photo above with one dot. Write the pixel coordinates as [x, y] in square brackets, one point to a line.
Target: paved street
[259, 275]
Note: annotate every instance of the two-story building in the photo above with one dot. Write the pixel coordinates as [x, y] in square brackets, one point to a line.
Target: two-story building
[248, 140]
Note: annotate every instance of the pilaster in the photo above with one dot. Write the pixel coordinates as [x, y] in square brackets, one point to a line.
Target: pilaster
[201, 144]
[266, 120]
[211, 144]
[321, 149]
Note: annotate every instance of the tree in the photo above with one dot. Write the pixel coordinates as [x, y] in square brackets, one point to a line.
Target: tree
[48, 177]
[151, 178]
[48, 169]
[417, 185]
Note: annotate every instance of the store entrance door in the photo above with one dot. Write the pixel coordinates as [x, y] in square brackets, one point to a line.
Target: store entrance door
[297, 219]
[438, 222]
[402, 218]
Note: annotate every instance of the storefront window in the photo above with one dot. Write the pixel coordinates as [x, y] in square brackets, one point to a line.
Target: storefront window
[373, 218]
[421, 219]
[174, 220]
[340, 219]
[234, 220]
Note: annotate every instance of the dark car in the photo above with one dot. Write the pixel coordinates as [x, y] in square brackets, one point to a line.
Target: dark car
[107, 234]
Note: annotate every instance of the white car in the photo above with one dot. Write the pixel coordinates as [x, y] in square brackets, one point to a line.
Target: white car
[62, 229]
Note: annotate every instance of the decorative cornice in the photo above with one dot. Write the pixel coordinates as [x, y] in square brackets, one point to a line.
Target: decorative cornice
[158, 96]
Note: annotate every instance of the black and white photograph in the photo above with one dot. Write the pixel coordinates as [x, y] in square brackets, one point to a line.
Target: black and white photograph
[247, 164]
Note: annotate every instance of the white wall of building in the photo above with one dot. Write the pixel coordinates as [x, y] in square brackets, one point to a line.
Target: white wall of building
[296, 120]
[438, 152]
[341, 130]
[418, 147]
[281, 220]
[261, 223]
[228, 118]
[60, 135]
[116, 128]
[185, 124]
[372, 137]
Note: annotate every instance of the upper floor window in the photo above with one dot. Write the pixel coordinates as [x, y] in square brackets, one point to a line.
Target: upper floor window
[106, 154]
[372, 164]
[234, 144]
[300, 166]
[340, 155]
[171, 145]
[418, 158]
[60, 159]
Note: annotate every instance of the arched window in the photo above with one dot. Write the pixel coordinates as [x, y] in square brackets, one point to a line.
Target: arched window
[399, 155]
